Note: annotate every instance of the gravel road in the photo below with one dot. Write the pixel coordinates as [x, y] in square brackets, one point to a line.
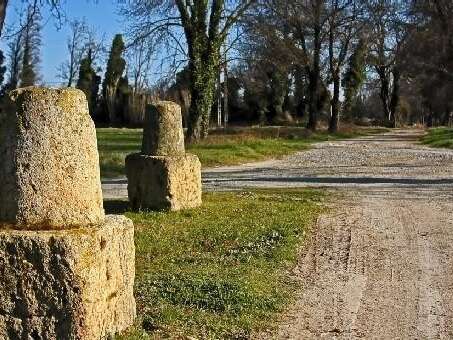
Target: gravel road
[387, 160]
[380, 264]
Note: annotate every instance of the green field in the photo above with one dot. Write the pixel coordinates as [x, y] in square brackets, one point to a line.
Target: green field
[219, 271]
[229, 147]
[439, 138]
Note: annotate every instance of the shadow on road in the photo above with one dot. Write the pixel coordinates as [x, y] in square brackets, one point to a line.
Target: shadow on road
[334, 180]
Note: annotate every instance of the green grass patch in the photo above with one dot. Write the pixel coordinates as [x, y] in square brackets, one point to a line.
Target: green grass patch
[219, 271]
[439, 138]
[114, 145]
[233, 146]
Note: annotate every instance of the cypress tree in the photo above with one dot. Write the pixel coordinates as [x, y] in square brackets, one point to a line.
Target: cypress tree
[89, 81]
[28, 75]
[14, 63]
[354, 77]
[123, 94]
[115, 69]
[31, 43]
[95, 85]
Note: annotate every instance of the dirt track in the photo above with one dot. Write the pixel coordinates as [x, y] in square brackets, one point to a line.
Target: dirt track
[379, 265]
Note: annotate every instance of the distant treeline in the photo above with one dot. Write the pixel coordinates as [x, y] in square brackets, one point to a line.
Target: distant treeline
[261, 62]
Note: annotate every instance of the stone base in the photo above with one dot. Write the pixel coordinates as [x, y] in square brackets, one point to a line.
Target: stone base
[67, 284]
[163, 183]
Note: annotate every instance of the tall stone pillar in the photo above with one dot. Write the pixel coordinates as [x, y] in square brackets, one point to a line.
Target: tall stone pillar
[163, 176]
[66, 269]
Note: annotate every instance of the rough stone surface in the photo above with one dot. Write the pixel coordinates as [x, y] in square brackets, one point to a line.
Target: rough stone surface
[163, 134]
[49, 169]
[169, 183]
[67, 284]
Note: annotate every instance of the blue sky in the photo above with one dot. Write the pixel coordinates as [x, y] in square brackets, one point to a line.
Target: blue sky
[101, 14]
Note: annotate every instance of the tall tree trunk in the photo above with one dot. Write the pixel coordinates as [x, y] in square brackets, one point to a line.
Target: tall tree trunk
[70, 80]
[385, 93]
[277, 95]
[71, 70]
[315, 74]
[300, 91]
[347, 115]
[394, 102]
[446, 117]
[335, 103]
[226, 104]
[430, 119]
[110, 102]
[314, 94]
[313, 102]
[3, 5]
[202, 70]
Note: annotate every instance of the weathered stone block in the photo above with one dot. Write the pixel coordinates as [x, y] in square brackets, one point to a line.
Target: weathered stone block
[163, 134]
[49, 169]
[67, 284]
[169, 183]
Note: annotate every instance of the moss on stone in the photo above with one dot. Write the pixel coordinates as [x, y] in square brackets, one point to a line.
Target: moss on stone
[68, 99]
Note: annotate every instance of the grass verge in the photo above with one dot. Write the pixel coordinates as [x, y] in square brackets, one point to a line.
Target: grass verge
[233, 146]
[219, 271]
[439, 138]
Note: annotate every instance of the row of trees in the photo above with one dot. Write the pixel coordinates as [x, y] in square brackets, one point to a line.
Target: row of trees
[194, 31]
[23, 53]
[111, 100]
[24, 43]
[331, 60]
[316, 59]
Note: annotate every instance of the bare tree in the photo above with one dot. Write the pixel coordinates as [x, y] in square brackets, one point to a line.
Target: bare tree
[139, 65]
[34, 5]
[295, 34]
[23, 49]
[76, 46]
[205, 25]
[3, 6]
[430, 43]
[96, 44]
[318, 20]
[31, 46]
[343, 26]
[428, 53]
[14, 56]
[388, 31]
[404, 49]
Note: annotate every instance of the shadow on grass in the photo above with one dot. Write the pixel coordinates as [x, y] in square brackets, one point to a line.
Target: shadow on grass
[120, 207]
[116, 207]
